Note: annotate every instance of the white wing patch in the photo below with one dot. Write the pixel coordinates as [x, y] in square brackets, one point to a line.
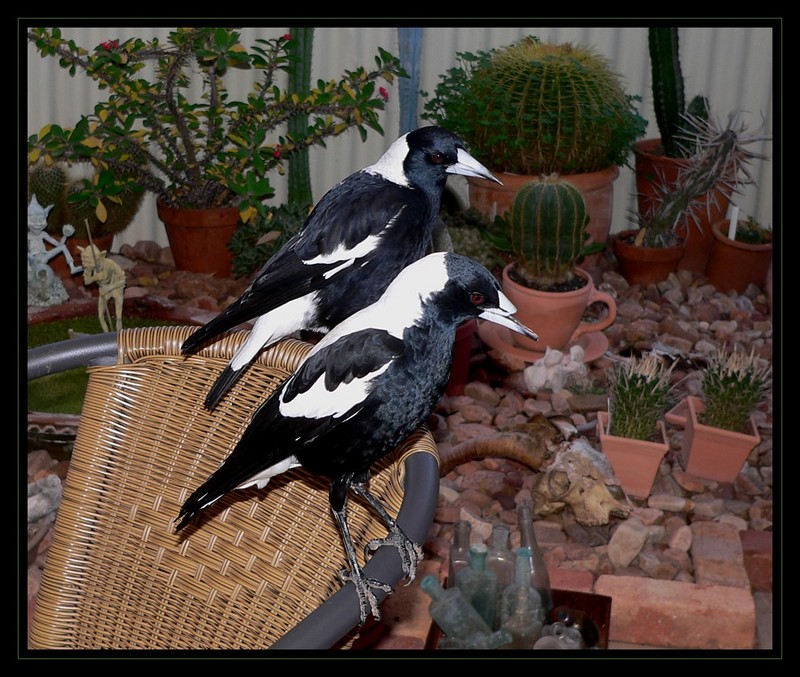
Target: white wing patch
[261, 479]
[318, 402]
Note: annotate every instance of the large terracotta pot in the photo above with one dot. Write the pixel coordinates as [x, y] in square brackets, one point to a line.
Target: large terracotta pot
[198, 238]
[556, 316]
[635, 462]
[597, 189]
[644, 265]
[653, 169]
[711, 453]
[733, 264]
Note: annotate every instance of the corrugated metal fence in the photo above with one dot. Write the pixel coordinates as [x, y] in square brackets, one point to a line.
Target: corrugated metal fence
[730, 65]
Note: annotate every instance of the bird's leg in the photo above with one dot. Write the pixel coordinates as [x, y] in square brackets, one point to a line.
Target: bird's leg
[410, 552]
[366, 598]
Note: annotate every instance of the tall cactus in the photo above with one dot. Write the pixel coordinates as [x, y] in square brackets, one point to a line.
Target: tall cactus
[547, 231]
[299, 180]
[669, 98]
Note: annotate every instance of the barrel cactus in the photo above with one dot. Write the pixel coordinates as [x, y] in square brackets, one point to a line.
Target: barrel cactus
[539, 107]
[546, 231]
[65, 185]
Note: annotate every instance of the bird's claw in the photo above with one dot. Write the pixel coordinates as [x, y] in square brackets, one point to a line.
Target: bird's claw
[410, 553]
[364, 586]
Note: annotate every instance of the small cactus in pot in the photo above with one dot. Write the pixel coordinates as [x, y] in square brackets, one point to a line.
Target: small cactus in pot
[734, 384]
[545, 232]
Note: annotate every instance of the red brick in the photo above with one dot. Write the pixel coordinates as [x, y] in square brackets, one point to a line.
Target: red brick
[580, 580]
[678, 615]
[757, 549]
[717, 555]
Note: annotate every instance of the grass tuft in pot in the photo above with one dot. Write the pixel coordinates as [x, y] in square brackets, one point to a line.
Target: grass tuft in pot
[734, 384]
[640, 392]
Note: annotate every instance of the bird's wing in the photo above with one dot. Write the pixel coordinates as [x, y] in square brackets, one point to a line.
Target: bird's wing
[332, 385]
[343, 231]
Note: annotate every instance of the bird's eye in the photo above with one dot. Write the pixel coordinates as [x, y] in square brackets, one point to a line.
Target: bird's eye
[437, 158]
[476, 298]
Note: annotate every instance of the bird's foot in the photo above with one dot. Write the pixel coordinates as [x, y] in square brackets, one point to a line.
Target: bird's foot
[410, 552]
[364, 586]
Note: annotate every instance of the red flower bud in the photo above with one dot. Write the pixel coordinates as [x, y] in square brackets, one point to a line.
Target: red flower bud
[110, 44]
[384, 94]
[287, 37]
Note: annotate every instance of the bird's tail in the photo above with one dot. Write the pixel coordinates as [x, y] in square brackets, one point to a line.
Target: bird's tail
[222, 385]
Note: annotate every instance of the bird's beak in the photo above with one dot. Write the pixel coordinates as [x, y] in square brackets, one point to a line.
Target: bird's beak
[469, 166]
[504, 316]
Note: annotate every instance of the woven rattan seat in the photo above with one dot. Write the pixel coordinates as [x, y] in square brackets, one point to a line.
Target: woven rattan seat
[259, 569]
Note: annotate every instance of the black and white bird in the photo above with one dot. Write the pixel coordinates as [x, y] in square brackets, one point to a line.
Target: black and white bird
[360, 235]
[360, 392]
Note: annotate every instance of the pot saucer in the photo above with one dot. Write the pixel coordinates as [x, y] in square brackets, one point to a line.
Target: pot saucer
[594, 343]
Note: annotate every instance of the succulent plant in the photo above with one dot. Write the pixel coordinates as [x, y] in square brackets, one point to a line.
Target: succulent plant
[538, 107]
[718, 159]
[640, 392]
[70, 188]
[545, 232]
[734, 384]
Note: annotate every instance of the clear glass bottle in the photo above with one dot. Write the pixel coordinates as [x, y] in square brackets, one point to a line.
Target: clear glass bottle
[452, 612]
[559, 636]
[500, 558]
[540, 579]
[521, 590]
[479, 584]
[524, 625]
[459, 551]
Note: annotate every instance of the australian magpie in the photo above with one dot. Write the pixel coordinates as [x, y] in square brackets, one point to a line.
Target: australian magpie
[359, 236]
[360, 392]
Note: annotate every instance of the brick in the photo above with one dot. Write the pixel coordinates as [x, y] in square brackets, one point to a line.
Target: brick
[579, 580]
[717, 555]
[673, 614]
[757, 549]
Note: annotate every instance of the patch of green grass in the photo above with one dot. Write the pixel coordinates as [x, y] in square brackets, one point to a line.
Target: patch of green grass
[63, 393]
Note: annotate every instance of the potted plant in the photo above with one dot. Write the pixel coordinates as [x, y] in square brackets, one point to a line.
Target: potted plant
[632, 433]
[207, 152]
[545, 234]
[719, 430]
[740, 255]
[718, 160]
[68, 189]
[535, 108]
[662, 163]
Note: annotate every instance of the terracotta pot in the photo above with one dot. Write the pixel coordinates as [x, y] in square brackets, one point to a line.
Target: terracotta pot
[644, 265]
[198, 238]
[462, 357]
[597, 189]
[556, 316]
[59, 262]
[635, 462]
[713, 453]
[653, 169]
[733, 264]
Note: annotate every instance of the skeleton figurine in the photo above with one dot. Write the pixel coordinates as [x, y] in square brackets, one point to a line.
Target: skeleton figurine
[110, 279]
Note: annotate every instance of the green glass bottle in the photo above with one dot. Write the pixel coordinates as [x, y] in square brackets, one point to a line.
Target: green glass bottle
[479, 584]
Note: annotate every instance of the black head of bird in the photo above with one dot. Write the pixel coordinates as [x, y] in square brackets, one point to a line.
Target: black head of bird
[361, 391]
[358, 237]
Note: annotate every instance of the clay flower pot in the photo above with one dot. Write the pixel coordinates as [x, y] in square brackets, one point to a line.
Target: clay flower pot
[556, 316]
[711, 453]
[644, 265]
[635, 462]
[733, 264]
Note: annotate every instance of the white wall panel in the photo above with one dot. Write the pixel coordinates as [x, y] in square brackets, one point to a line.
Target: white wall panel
[732, 66]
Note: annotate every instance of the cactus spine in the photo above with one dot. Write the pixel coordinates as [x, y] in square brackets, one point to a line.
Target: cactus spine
[547, 230]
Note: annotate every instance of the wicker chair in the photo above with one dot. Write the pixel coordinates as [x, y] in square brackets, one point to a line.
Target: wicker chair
[260, 570]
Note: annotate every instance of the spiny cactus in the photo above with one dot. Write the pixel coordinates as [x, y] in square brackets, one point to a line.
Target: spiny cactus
[539, 107]
[734, 384]
[547, 230]
[640, 391]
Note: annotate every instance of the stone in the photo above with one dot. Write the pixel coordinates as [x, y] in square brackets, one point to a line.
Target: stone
[626, 542]
[718, 555]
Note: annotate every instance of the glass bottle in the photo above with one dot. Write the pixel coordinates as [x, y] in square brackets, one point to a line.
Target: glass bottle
[540, 579]
[521, 591]
[479, 585]
[559, 636]
[524, 625]
[459, 551]
[452, 612]
[500, 558]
